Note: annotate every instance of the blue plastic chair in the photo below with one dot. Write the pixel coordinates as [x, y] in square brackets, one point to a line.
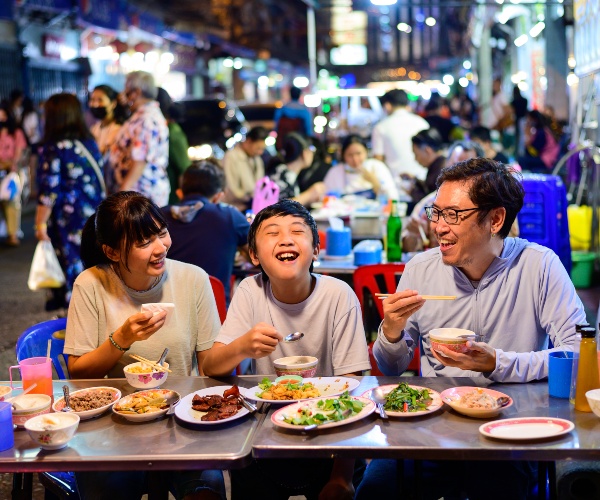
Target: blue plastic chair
[34, 342]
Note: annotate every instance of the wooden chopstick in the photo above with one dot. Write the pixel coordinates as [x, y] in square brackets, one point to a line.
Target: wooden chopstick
[382, 296]
[160, 368]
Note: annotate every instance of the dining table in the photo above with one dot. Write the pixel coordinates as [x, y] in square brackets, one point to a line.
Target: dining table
[109, 442]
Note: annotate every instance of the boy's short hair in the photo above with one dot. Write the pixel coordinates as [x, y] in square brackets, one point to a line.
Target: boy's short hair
[204, 177]
[281, 209]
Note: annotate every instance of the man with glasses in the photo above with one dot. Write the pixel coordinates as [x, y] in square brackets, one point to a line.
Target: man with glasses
[515, 295]
[140, 154]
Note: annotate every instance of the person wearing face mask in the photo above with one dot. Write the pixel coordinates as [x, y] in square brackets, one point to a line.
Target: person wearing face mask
[104, 106]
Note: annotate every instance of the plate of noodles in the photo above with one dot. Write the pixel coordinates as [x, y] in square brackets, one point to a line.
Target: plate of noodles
[475, 402]
[309, 388]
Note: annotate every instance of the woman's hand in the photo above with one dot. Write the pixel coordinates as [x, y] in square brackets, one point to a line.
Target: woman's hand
[371, 178]
[260, 341]
[397, 308]
[479, 358]
[41, 233]
[140, 326]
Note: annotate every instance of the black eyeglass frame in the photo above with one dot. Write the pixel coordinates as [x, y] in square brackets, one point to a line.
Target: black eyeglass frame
[431, 211]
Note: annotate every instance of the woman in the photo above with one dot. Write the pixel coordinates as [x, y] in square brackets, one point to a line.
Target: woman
[541, 148]
[70, 187]
[12, 145]
[359, 174]
[124, 247]
[297, 154]
[105, 107]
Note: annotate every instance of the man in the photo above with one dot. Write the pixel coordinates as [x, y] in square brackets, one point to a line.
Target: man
[514, 294]
[140, 154]
[482, 136]
[204, 232]
[391, 136]
[446, 128]
[427, 147]
[293, 117]
[244, 167]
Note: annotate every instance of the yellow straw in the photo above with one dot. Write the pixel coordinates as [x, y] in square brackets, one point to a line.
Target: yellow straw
[49, 345]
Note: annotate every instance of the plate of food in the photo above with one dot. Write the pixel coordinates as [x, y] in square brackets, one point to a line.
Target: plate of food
[404, 400]
[323, 412]
[211, 406]
[476, 402]
[292, 391]
[146, 405]
[91, 402]
[526, 428]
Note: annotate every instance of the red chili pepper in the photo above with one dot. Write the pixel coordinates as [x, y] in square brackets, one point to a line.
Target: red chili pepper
[405, 406]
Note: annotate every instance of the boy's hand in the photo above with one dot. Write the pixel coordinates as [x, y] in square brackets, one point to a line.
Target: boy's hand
[260, 341]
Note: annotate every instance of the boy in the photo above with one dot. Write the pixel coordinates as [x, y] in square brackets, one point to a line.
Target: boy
[286, 297]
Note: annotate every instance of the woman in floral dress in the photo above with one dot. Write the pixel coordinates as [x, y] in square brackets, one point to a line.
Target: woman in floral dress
[70, 187]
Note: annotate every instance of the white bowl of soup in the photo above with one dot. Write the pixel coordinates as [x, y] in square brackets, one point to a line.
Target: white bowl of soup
[454, 339]
[305, 366]
[52, 431]
[28, 406]
[143, 376]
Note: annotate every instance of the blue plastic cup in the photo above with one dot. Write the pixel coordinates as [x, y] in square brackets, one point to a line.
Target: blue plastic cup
[560, 366]
[7, 434]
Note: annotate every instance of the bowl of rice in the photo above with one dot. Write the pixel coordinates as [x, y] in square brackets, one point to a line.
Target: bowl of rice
[454, 339]
[143, 376]
[91, 402]
[475, 402]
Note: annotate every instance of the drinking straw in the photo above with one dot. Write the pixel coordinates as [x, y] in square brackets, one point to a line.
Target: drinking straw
[48, 350]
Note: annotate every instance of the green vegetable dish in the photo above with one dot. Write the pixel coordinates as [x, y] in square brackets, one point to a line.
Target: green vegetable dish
[326, 410]
[406, 399]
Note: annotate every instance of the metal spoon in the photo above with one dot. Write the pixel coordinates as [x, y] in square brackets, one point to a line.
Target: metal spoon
[293, 337]
[67, 397]
[163, 356]
[173, 399]
[502, 401]
[378, 397]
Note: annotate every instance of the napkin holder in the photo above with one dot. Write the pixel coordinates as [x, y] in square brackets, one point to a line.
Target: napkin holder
[367, 252]
[339, 242]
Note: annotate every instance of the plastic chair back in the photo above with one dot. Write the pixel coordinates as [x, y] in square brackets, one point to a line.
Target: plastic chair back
[219, 293]
[380, 278]
[34, 342]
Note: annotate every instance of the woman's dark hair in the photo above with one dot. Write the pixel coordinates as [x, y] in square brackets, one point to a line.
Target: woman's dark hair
[352, 139]
[121, 220]
[64, 119]
[281, 209]
[492, 185]
[204, 177]
[293, 146]
[120, 113]
[430, 137]
[539, 120]
[164, 102]
[11, 124]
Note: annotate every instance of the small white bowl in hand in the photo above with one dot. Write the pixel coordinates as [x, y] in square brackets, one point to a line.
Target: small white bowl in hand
[52, 431]
[593, 398]
[149, 380]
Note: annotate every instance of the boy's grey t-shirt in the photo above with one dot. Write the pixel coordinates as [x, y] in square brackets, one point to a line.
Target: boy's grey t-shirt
[330, 318]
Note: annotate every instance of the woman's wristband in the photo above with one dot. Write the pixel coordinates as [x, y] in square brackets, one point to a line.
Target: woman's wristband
[112, 341]
[42, 225]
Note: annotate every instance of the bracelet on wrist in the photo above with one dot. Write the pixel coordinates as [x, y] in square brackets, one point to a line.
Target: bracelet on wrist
[112, 341]
[43, 225]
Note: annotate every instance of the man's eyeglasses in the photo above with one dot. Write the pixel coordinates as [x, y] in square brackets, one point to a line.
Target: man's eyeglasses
[450, 215]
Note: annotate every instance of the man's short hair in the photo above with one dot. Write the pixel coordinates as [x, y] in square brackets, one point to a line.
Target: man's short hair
[144, 82]
[204, 178]
[295, 93]
[492, 185]
[396, 97]
[480, 133]
[430, 137]
[281, 209]
[257, 134]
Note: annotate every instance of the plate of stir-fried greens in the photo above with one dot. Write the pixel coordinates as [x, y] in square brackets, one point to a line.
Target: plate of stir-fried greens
[404, 400]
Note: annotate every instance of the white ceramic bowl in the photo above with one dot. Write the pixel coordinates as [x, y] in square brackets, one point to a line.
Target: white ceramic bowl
[305, 366]
[593, 398]
[452, 398]
[52, 431]
[148, 380]
[29, 406]
[454, 339]
[5, 392]
[172, 397]
[59, 404]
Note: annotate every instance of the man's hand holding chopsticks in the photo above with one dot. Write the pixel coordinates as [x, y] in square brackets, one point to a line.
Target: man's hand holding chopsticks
[397, 308]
